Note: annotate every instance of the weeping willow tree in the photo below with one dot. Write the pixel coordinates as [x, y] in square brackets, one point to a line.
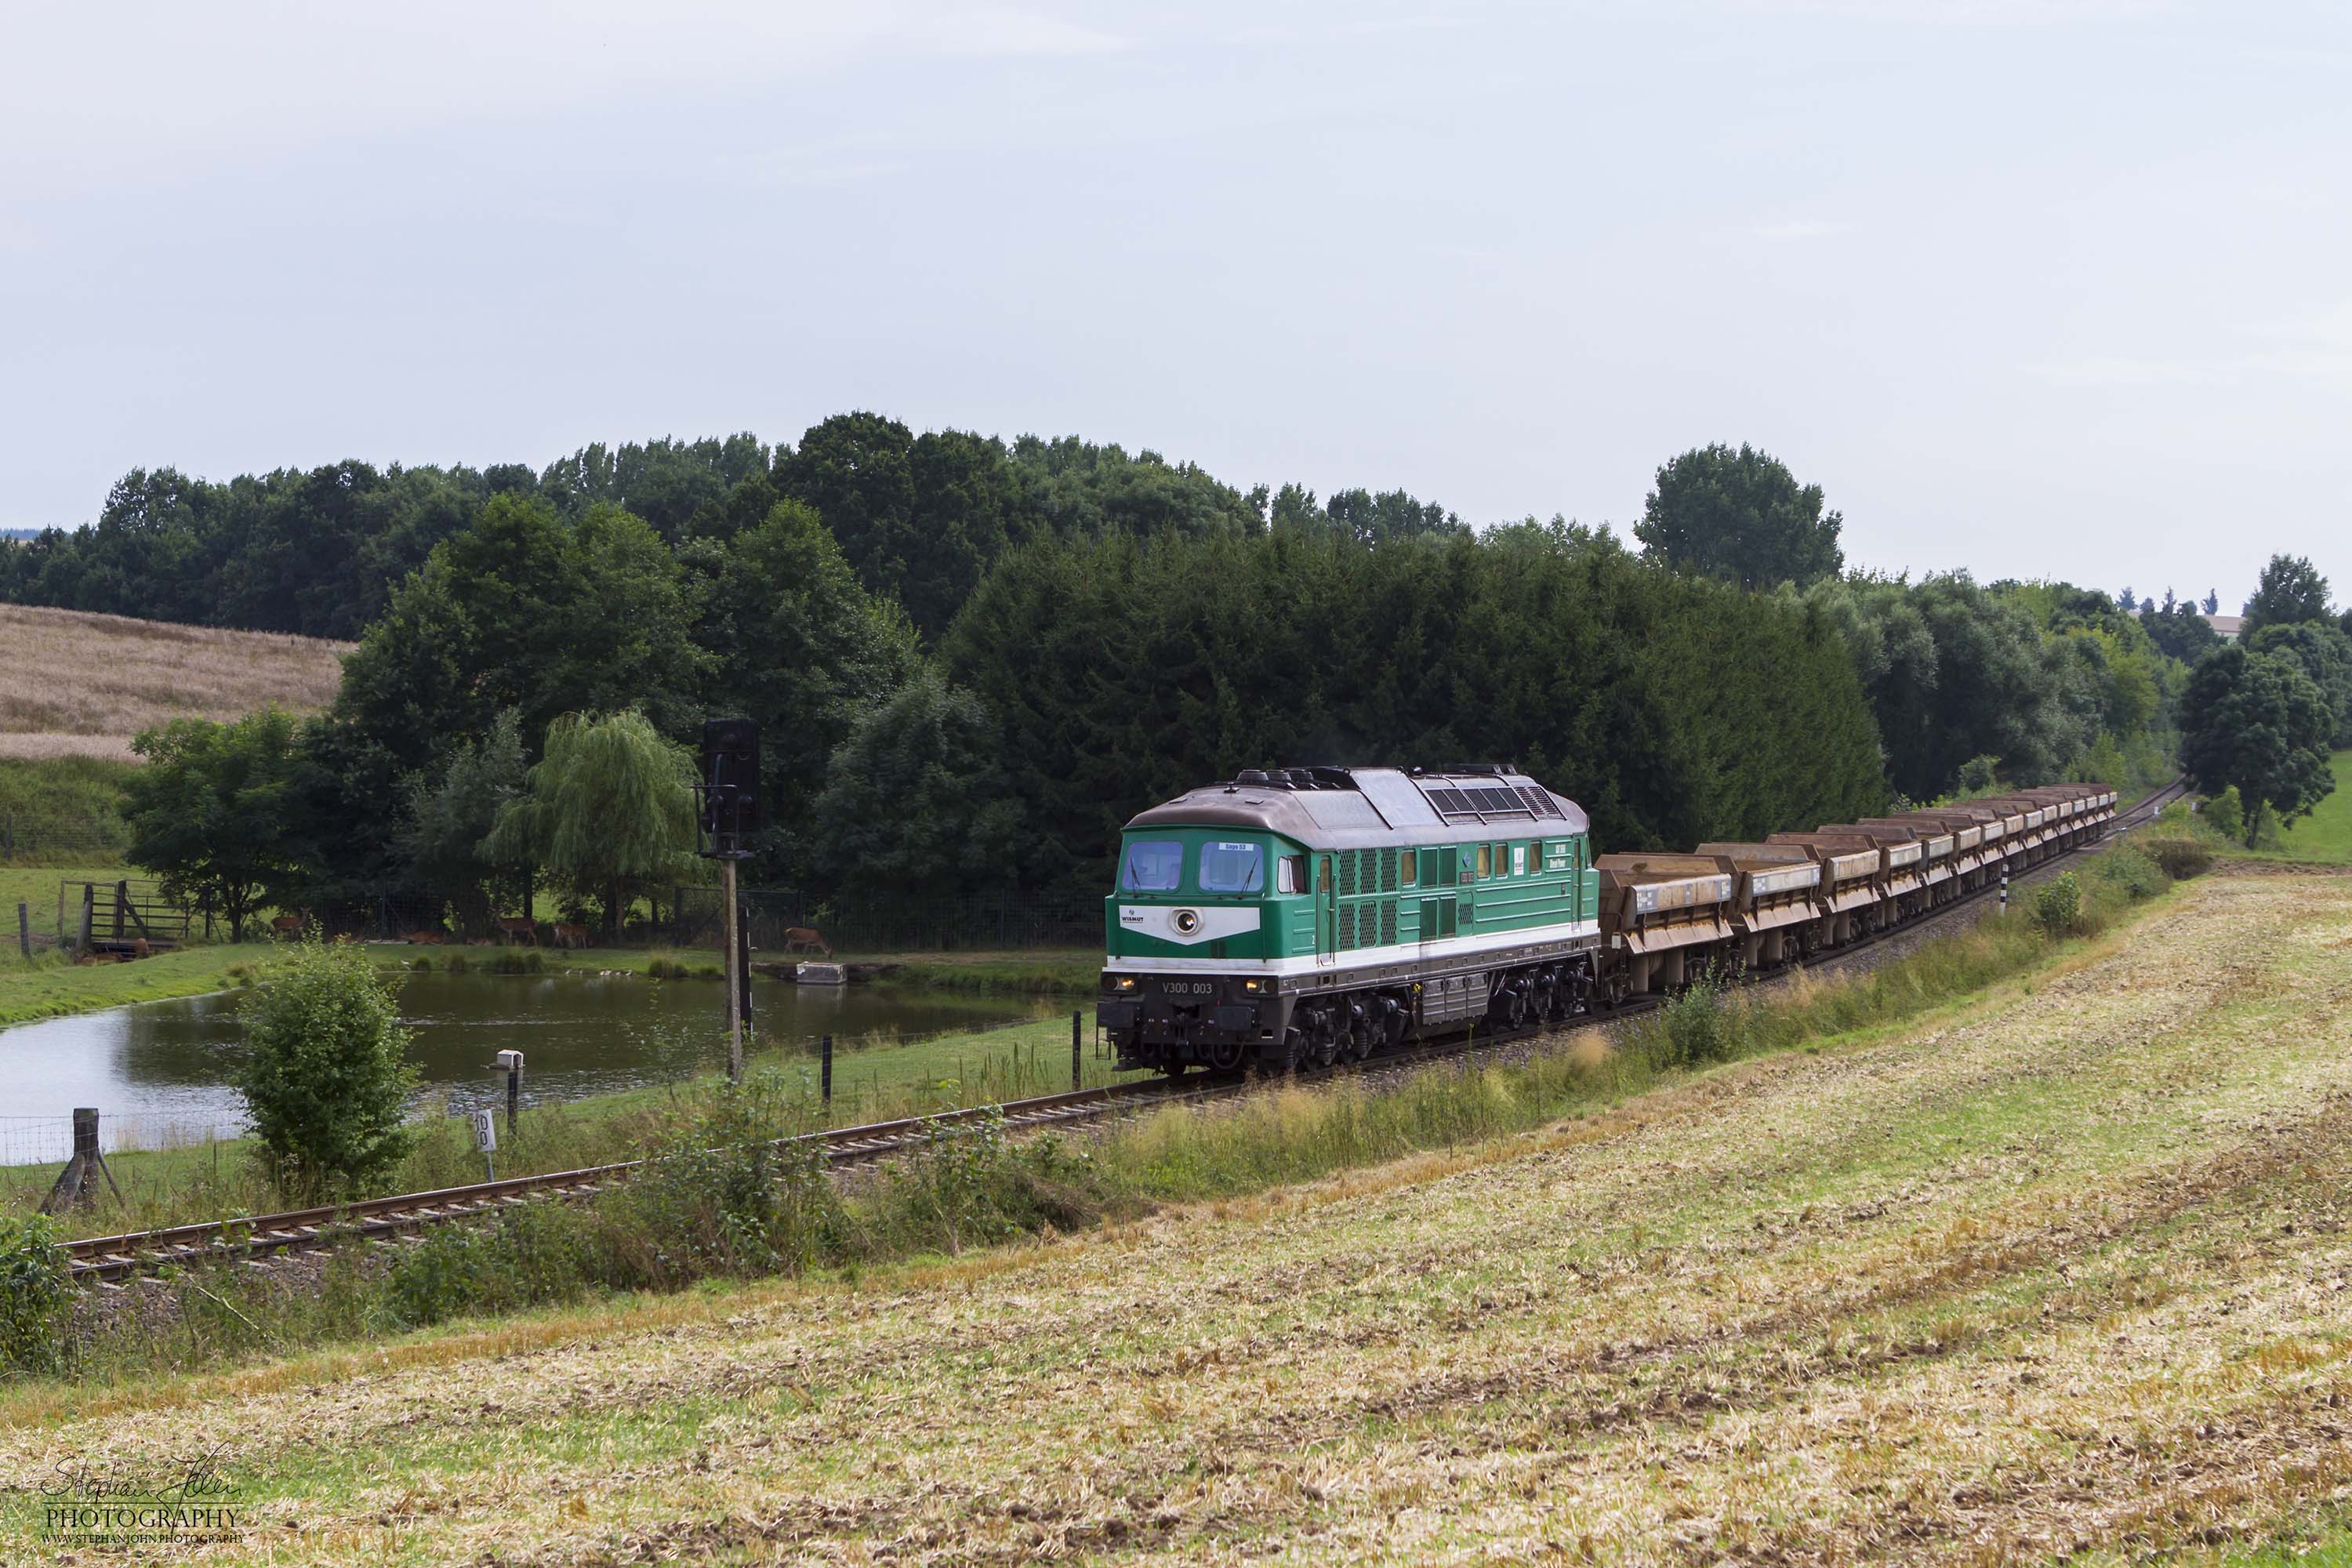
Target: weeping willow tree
[609, 810]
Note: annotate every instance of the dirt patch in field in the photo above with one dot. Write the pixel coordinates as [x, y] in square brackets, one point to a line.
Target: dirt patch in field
[2071, 1271]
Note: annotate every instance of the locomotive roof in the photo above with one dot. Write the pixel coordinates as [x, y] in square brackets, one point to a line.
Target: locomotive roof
[1348, 808]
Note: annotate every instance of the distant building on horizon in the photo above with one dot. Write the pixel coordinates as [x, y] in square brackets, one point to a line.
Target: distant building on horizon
[2229, 627]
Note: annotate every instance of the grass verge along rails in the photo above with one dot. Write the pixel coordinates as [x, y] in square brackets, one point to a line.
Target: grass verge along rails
[2061, 1269]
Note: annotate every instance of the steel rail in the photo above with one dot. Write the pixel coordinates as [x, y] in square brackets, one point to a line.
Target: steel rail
[103, 1259]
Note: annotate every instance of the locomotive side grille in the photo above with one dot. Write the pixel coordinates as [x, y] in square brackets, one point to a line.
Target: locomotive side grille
[1388, 920]
[1388, 871]
[1347, 873]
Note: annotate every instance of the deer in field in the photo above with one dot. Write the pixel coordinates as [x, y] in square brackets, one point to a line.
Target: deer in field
[522, 926]
[286, 928]
[425, 939]
[805, 938]
[570, 935]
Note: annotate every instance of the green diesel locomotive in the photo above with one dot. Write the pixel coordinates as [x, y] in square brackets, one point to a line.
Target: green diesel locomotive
[1303, 916]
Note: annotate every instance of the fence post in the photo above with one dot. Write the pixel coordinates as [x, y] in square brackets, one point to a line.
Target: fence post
[25, 930]
[824, 1071]
[76, 1184]
[2004, 890]
[88, 912]
[1074, 1084]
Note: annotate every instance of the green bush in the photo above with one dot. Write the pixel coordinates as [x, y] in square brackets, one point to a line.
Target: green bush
[2180, 858]
[2058, 904]
[510, 961]
[971, 1186]
[327, 1078]
[2130, 872]
[455, 963]
[35, 1295]
[1704, 1024]
[2226, 813]
[723, 1195]
[535, 1253]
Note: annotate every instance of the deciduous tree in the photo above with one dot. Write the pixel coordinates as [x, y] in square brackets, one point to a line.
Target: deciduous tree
[209, 812]
[609, 810]
[917, 799]
[1740, 515]
[2255, 721]
[2291, 592]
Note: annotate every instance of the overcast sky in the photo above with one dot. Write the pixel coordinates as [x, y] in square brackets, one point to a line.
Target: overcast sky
[2031, 288]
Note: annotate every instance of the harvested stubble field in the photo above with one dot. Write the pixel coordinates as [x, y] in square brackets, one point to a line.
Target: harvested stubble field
[73, 684]
[2061, 1271]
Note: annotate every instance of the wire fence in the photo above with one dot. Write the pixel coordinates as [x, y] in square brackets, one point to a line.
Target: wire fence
[677, 916]
[886, 924]
[49, 1140]
[45, 841]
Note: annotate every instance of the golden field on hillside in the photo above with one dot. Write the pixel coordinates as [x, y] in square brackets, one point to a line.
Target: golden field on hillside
[73, 684]
[2061, 1275]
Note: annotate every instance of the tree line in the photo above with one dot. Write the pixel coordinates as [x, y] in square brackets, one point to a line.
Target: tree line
[972, 659]
[918, 518]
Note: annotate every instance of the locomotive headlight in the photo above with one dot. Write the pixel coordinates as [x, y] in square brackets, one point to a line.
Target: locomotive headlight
[1119, 981]
[1254, 987]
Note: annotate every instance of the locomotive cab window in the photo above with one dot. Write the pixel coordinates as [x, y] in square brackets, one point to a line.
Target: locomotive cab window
[1232, 867]
[1290, 874]
[1153, 866]
[1408, 868]
[1519, 859]
[1485, 860]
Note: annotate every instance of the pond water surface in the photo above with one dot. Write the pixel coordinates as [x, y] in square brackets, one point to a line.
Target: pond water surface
[158, 1072]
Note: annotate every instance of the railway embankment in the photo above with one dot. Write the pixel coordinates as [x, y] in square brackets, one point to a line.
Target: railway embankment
[2061, 1265]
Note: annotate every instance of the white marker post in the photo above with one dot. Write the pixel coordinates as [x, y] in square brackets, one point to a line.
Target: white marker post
[486, 1142]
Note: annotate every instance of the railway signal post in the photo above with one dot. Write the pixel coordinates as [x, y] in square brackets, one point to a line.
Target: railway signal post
[729, 797]
[512, 1061]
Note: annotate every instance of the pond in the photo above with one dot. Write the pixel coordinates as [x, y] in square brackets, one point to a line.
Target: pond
[158, 1072]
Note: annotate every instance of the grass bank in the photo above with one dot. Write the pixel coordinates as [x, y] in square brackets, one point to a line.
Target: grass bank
[62, 810]
[2050, 1276]
[2323, 838]
[876, 1077]
[55, 987]
[980, 1188]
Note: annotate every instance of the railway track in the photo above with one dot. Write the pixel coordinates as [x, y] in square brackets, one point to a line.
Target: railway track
[105, 1260]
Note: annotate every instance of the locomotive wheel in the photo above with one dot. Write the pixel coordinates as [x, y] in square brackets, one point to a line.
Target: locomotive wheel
[1225, 1055]
[1326, 1042]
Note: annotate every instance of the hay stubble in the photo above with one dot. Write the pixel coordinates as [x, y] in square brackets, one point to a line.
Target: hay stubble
[2071, 1271]
[76, 684]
